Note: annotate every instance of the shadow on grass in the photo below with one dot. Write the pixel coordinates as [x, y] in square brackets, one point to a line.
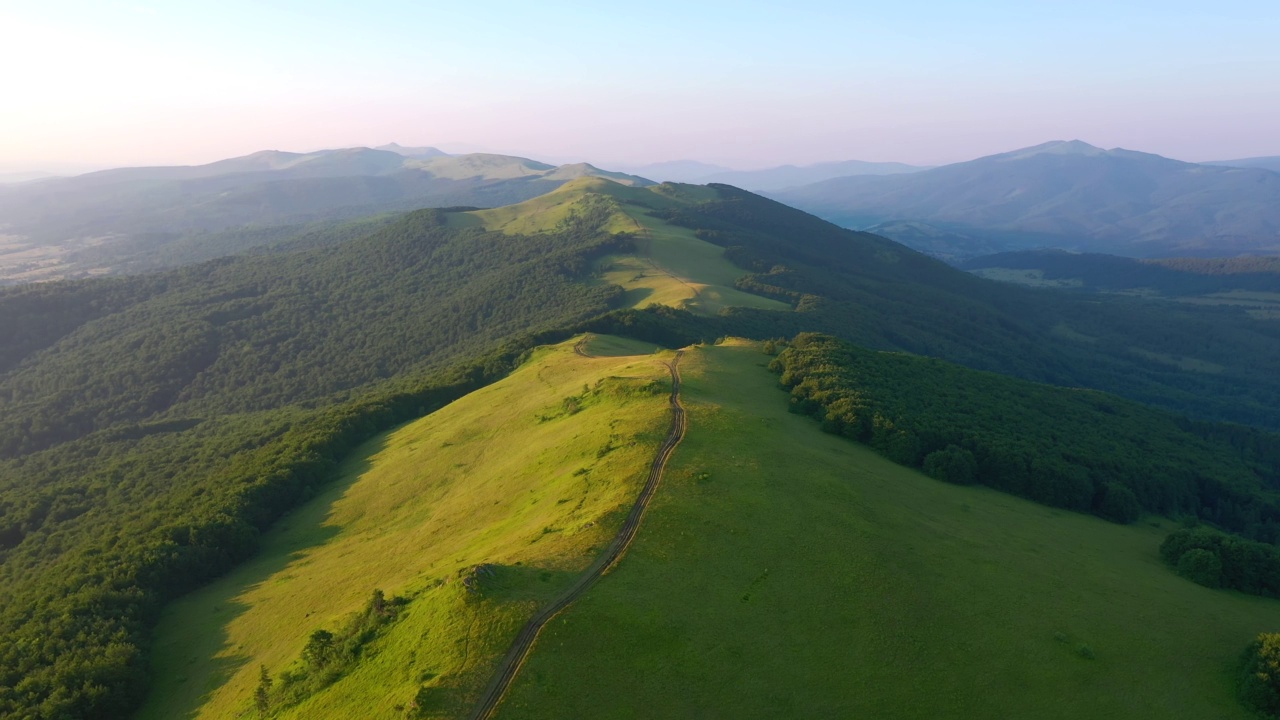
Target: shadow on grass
[634, 296]
[193, 655]
[529, 587]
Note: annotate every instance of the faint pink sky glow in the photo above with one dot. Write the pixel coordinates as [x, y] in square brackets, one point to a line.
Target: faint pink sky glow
[92, 84]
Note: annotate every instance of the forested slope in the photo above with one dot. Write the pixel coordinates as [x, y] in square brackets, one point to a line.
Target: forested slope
[152, 427]
[252, 333]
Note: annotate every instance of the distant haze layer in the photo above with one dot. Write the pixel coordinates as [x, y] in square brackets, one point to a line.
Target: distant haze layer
[731, 84]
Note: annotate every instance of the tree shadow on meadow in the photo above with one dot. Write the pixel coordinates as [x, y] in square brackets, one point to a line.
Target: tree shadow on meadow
[634, 296]
[489, 587]
[194, 654]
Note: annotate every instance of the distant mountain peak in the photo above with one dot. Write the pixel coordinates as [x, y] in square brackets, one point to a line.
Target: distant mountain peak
[1071, 147]
[413, 152]
[1056, 147]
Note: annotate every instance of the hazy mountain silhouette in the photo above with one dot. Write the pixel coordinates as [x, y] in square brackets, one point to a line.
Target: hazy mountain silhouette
[1266, 163]
[774, 178]
[685, 171]
[272, 187]
[788, 176]
[413, 152]
[22, 177]
[1065, 194]
[147, 217]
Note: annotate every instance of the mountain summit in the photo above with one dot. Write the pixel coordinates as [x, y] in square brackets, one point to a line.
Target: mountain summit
[1055, 147]
[413, 152]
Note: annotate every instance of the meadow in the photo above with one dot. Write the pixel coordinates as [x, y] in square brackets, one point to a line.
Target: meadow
[785, 572]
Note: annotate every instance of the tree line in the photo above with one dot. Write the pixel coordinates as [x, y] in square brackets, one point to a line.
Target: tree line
[1076, 449]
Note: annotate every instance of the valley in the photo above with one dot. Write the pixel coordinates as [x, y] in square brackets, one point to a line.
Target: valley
[22, 261]
[1250, 283]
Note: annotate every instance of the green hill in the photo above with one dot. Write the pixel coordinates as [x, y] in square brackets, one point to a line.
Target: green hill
[784, 572]
[781, 571]
[667, 265]
[525, 479]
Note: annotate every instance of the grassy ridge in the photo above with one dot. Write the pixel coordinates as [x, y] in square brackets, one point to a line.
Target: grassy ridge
[668, 266]
[673, 267]
[529, 476]
[817, 579]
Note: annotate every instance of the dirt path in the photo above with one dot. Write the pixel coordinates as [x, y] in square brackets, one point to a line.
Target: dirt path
[580, 347]
[509, 668]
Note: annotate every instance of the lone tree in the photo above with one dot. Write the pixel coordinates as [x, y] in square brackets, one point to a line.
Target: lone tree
[262, 696]
[319, 649]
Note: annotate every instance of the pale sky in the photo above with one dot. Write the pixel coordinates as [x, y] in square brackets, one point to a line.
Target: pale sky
[93, 83]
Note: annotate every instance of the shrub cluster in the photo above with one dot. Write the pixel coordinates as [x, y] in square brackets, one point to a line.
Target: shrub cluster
[1216, 559]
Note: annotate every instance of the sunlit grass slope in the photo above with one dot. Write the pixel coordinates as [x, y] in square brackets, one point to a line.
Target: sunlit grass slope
[670, 266]
[787, 573]
[532, 475]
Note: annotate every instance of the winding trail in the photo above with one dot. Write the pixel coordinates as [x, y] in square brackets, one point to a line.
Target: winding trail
[510, 666]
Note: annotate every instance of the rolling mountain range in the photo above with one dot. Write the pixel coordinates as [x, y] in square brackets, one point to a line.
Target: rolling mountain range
[1067, 195]
[336, 477]
[95, 223]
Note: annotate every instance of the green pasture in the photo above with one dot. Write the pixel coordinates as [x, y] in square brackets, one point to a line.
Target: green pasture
[785, 573]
